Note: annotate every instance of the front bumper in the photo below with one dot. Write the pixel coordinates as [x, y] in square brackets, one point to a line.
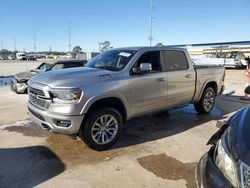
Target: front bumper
[208, 175]
[18, 87]
[47, 120]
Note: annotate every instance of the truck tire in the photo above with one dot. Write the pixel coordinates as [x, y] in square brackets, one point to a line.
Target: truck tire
[206, 102]
[102, 128]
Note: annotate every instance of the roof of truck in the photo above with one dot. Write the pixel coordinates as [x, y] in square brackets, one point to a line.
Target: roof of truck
[150, 48]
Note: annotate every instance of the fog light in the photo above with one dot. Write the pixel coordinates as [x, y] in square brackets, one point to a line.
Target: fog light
[62, 123]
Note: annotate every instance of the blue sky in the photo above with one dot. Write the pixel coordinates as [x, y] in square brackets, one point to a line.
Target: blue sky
[122, 22]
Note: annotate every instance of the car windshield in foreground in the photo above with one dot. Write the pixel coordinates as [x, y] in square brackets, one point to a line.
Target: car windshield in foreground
[113, 60]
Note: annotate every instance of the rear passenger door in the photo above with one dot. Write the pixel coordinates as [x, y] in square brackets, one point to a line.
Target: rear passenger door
[181, 78]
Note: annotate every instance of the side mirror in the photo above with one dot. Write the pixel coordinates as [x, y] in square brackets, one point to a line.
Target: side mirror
[144, 68]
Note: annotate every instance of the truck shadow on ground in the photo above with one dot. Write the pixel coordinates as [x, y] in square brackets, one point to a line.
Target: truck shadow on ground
[153, 127]
[28, 166]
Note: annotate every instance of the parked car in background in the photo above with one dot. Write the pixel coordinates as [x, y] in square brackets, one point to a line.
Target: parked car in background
[4, 57]
[227, 163]
[31, 58]
[11, 57]
[21, 56]
[117, 85]
[19, 82]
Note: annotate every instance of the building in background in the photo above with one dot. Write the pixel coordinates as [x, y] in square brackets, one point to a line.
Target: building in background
[90, 55]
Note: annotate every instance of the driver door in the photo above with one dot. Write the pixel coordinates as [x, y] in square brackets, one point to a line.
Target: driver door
[148, 91]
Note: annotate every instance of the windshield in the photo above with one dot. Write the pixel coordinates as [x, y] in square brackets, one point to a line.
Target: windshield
[113, 60]
[43, 67]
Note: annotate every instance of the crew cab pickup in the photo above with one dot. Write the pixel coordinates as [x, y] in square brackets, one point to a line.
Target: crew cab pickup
[94, 101]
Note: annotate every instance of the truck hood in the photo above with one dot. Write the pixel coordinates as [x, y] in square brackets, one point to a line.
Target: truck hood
[24, 76]
[71, 78]
[238, 133]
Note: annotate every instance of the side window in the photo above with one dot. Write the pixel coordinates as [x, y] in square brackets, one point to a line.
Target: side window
[175, 60]
[57, 66]
[151, 57]
[72, 64]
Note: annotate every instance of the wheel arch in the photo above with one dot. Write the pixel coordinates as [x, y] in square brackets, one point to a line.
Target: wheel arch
[108, 101]
[208, 84]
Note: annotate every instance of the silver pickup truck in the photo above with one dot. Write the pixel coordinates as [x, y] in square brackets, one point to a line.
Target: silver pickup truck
[94, 101]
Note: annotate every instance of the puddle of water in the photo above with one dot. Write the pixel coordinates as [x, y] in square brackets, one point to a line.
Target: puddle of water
[73, 152]
[5, 81]
[27, 128]
[188, 113]
[167, 167]
[189, 109]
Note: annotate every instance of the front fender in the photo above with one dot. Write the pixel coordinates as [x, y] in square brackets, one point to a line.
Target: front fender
[96, 98]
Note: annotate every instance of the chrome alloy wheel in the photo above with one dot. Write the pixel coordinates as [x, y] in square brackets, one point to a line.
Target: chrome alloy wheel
[104, 129]
[208, 101]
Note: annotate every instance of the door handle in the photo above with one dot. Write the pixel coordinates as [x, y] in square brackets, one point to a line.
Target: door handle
[188, 75]
[162, 79]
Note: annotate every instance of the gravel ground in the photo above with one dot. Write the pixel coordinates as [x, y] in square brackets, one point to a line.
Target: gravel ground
[159, 150]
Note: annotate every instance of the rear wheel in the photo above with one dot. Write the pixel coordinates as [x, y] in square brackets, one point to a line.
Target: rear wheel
[206, 103]
[102, 128]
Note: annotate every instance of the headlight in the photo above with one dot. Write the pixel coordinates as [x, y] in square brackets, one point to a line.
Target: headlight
[225, 164]
[66, 96]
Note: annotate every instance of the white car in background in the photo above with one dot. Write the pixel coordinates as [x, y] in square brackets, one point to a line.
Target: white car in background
[21, 56]
[226, 62]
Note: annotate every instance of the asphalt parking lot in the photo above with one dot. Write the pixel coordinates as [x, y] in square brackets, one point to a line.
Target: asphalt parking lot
[159, 150]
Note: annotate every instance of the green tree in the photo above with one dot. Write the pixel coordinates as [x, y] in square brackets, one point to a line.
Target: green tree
[103, 46]
[77, 49]
[5, 51]
[159, 44]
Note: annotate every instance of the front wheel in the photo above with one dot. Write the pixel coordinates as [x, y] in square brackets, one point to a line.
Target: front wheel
[102, 128]
[206, 103]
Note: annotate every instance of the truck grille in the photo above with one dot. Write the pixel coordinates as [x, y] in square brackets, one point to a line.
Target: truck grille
[245, 176]
[36, 91]
[36, 97]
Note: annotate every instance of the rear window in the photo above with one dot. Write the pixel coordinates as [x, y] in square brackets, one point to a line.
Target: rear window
[175, 60]
[74, 64]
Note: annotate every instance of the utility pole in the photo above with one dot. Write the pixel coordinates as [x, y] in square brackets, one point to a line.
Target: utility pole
[69, 29]
[34, 39]
[150, 38]
[2, 45]
[14, 43]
